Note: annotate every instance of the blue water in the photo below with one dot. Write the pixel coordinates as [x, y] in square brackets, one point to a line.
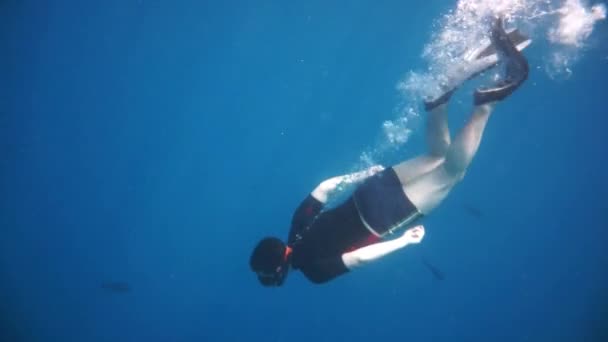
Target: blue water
[154, 142]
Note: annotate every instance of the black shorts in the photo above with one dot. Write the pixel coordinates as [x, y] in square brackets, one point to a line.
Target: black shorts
[382, 203]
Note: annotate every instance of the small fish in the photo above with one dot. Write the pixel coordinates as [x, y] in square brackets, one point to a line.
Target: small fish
[116, 286]
[437, 274]
[475, 212]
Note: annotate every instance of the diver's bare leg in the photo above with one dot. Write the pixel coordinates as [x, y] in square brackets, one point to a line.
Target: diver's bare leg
[465, 146]
[438, 141]
[427, 191]
[437, 131]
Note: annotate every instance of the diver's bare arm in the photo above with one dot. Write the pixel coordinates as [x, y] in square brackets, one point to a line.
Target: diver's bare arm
[324, 190]
[367, 254]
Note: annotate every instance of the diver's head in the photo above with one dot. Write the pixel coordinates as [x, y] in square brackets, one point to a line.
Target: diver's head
[270, 261]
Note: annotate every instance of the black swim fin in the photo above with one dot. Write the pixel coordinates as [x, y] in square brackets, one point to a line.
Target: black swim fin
[517, 68]
[476, 61]
[515, 36]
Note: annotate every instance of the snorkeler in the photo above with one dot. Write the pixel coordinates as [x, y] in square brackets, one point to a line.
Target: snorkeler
[327, 244]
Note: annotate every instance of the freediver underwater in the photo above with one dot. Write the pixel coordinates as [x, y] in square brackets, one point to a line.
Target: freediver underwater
[327, 243]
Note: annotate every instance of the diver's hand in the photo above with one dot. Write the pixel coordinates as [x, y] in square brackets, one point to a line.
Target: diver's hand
[370, 171]
[325, 188]
[375, 169]
[414, 235]
[361, 175]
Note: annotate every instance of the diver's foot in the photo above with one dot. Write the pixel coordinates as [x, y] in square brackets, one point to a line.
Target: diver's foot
[429, 105]
[516, 68]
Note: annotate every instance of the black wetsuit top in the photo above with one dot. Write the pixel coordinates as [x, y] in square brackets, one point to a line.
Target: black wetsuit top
[320, 238]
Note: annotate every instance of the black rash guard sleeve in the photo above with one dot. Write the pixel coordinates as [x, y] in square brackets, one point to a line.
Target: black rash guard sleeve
[303, 218]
